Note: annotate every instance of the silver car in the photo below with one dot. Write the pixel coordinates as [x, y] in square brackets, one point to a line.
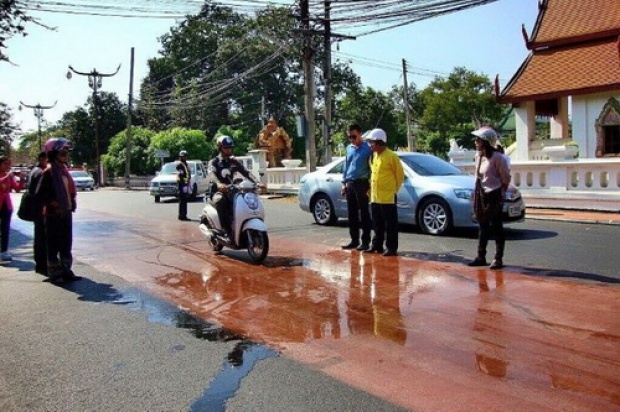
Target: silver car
[436, 195]
[82, 180]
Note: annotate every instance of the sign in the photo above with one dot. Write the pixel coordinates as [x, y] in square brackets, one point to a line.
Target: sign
[162, 153]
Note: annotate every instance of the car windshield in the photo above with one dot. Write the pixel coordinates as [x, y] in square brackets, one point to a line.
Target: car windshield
[79, 174]
[171, 168]
[429, 165]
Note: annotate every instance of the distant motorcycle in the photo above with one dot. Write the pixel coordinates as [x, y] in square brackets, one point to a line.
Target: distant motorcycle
[248, 224]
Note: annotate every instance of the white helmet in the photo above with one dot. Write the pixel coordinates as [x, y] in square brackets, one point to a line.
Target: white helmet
[486, 133]
[376, 135]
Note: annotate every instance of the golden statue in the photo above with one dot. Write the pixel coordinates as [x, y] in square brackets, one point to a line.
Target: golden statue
[276, 142]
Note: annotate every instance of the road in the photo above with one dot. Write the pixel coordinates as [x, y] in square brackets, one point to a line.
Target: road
[421, 331]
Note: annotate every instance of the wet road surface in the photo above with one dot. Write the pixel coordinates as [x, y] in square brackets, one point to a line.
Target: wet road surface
[423, 335]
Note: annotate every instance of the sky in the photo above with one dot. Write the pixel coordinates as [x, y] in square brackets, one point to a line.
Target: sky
[486, 39]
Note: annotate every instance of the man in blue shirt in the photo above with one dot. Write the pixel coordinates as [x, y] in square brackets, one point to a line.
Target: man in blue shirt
[355, 187]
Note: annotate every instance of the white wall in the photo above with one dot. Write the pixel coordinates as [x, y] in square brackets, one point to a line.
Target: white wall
[586, 109]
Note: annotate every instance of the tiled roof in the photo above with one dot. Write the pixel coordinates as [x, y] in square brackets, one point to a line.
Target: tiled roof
[579, 69]
[562, 21]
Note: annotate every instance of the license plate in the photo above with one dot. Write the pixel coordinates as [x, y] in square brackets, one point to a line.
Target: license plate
[514, 210]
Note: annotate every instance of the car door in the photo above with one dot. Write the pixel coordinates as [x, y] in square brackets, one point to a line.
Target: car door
[332, 184]
[406, 198]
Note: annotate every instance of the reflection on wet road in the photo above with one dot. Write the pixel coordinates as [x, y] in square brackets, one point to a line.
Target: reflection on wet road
[407, 330]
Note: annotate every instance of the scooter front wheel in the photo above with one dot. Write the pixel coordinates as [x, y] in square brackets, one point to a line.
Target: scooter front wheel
[258, 244]
[216, 246]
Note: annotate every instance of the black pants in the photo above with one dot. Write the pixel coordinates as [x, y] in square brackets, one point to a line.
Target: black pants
[5, 227]
[385, 225]
[493, 227]
[223, 205]
[59, 242]
[183, 195]
[39, 246]
[358, 210]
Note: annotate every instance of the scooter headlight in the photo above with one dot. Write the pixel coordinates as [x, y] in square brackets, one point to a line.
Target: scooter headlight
[251, 199]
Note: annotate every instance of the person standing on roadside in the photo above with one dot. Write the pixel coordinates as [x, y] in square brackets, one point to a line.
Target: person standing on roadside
[8, 182]
[493, 176]
[355, 188]
[183, 178]
[56, 193]
[38, 244]
[386, 177]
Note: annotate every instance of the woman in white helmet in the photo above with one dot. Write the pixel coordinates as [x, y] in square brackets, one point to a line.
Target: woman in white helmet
[492, 180]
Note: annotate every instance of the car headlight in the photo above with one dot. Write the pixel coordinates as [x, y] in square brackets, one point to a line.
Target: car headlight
[512, 194]
[463, 193]
[154, 184]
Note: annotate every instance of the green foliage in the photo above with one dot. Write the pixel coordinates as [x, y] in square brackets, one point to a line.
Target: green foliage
[140, 162]
[12, 21]
[7, 128]
[455, 106]
[177, 139]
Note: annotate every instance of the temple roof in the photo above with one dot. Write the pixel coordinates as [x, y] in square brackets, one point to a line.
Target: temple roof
[580, 69]
[561, 22]
[575, 50]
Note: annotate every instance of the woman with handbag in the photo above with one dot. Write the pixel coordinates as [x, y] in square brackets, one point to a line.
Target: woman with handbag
[492, 180]
[8, 182]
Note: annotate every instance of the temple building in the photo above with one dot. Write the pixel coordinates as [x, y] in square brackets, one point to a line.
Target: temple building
[573, 68]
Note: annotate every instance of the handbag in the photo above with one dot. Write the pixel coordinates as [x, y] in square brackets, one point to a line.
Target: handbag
[29, 208]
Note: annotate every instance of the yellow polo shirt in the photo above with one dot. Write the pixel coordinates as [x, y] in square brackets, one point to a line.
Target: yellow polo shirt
[386, 177]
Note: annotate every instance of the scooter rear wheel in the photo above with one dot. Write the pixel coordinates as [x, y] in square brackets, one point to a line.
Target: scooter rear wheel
[258, 245]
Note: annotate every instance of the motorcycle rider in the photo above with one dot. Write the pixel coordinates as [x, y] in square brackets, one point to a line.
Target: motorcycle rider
[222, 198]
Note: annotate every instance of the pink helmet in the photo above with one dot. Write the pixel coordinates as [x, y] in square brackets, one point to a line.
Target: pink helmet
[57, 144]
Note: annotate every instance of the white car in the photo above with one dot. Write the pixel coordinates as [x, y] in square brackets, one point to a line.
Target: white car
[165, 183]
[83, 180]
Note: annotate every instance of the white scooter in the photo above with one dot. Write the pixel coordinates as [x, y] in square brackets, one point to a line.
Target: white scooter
[248, 224]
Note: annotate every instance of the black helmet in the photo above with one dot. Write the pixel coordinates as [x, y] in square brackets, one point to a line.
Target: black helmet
[225, 141]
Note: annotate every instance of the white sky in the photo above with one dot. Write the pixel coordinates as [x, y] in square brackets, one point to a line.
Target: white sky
[486, 39]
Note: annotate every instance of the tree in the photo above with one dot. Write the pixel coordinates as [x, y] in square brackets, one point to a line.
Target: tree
[370, 109]
[7, 128]
[140, 162]
[79, 126]
[177, 139]
[12, 21]
[454, 106]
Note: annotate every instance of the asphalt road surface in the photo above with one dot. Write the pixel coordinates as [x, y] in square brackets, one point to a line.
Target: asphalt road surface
[314, 327]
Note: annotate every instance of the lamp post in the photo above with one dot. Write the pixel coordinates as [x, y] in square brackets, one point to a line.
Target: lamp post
[94, 82]
[38, 113]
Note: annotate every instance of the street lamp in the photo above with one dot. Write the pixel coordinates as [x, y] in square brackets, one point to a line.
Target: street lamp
[38, 113]
[94, 82]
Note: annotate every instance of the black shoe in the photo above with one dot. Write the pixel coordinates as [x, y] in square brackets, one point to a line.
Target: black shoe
[390, 253]
[69, 276]
[41, 271]
[374, 250]
[351, 245]
[478, 262]
[185, 218]
[363, 247]
[496, 264]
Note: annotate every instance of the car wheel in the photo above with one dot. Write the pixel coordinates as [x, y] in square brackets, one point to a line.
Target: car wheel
[157, 199]
[323, 210]
[435, 217]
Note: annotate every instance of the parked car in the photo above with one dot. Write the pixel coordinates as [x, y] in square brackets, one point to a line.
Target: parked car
[165, 183]
[83, 180]
[436, 195]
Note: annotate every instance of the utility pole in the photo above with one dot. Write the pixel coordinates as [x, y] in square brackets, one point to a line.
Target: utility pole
[327, 75]
[308, 86]
[94, 82]
[411, 144]
[128, 132]
[38, 113]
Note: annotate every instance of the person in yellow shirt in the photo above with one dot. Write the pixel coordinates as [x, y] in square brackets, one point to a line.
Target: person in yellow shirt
[386, 177]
